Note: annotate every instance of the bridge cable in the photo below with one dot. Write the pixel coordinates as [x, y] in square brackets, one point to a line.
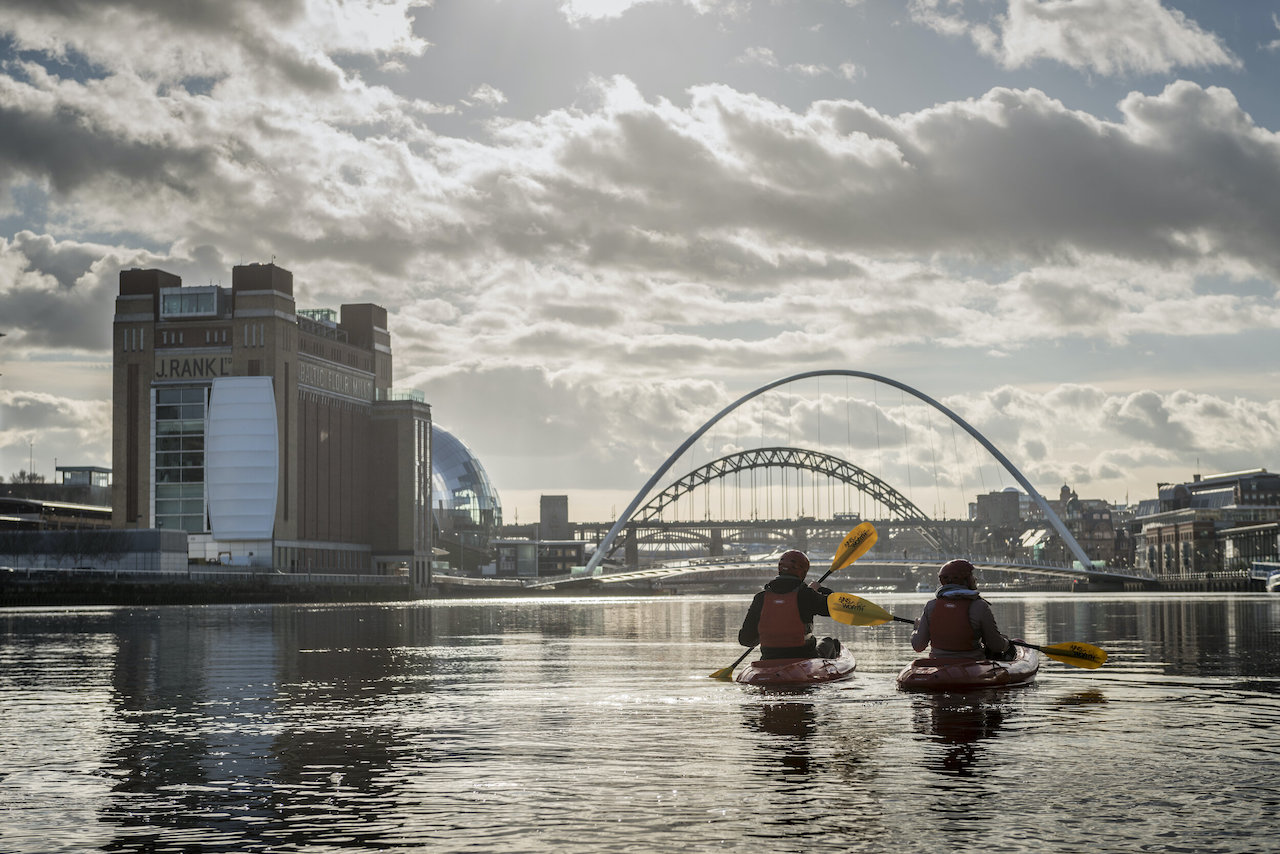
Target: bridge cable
[939, 512]
[982, 478]
[875, 399]
[848, 430]
[955, 448]
[906, 446]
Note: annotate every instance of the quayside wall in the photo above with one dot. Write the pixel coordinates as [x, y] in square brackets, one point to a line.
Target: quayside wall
[69, 587]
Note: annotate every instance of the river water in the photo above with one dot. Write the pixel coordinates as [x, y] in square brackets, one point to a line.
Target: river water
[589, 725]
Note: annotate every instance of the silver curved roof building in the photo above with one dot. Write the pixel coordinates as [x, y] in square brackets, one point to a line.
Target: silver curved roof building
[460, 487]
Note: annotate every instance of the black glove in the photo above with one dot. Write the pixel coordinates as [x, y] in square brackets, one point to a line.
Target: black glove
[1009, 654]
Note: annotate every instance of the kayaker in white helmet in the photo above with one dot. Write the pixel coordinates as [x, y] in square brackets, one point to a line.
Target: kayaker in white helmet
[780, 618]
[957, 622]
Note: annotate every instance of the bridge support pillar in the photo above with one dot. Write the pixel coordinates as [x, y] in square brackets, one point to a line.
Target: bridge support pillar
[631, 551]
[717, 543]
[800, 538]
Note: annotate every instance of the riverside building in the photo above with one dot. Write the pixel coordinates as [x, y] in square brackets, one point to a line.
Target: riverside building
[268, 434]
[1220, 523]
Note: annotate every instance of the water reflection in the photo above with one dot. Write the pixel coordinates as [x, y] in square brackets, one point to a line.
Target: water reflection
[1090, 697]
[582, 726]
[248, 724]
[1221, 635]
[959, 723]
[792, 724]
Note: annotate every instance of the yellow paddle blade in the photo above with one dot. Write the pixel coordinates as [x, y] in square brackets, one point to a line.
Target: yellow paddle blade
[1076, 654]
[856, 611]
[724, 673]
[857, 543]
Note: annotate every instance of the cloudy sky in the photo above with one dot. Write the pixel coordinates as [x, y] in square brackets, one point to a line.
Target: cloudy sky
[595, 223]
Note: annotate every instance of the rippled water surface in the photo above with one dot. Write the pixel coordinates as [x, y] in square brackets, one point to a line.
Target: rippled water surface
[590, 725]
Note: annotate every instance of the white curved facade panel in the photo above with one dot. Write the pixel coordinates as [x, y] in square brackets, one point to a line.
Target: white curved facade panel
[242, 458]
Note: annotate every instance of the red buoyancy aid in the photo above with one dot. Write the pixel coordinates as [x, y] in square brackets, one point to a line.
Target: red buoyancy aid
[949, 627]
[780, 623]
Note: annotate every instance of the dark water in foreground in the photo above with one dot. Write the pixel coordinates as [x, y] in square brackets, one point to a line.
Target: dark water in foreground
[589, 725]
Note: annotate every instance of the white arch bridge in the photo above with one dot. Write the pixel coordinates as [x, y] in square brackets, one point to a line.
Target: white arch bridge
[646, 509]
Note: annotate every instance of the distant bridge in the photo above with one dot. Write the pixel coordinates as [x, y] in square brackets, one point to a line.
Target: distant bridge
[609, 542]
[898, 506]
[720, 537]
[645, 524]
[737, 564]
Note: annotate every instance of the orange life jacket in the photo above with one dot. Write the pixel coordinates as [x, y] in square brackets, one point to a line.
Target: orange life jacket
[780, 623]
[949, 627]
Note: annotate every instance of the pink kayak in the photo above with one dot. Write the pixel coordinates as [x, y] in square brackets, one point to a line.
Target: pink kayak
[797, 672]
[963, 674]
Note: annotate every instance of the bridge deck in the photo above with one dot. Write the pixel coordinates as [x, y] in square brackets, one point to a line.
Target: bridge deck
[689, 567]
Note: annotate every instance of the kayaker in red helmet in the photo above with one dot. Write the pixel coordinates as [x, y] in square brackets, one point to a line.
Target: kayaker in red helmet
[957, 622]
[780, 618]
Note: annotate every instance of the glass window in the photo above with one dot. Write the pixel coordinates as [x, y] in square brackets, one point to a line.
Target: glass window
[179, 458]
[189, 302]
[192, 524]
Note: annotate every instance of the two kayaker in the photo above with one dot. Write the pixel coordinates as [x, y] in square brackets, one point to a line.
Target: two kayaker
[780, 618]
[957, 622]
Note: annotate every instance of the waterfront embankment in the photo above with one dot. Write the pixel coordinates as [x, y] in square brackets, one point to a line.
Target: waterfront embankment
[68, 588]
[84, 587]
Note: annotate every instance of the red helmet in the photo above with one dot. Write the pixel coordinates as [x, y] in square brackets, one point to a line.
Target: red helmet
[958, 571]
[793, 563]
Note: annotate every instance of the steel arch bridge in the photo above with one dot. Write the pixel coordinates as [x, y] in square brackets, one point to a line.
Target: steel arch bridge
[895, 503]
[606, 545]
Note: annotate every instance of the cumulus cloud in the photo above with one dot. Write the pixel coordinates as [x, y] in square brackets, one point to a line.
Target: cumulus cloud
[488, 95]
[1011, 173]
[733, 191]
[598, 262]
[765, 57]
[1085, 436]
[587, 11]
[33, 423]
[58, 292]
[1107, 37]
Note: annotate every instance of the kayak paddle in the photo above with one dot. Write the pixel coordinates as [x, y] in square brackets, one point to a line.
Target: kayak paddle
[856, 611]
[855, 544]
[1075, 653]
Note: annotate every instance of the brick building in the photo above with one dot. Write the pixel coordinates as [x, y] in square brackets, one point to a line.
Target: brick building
[268, 434]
